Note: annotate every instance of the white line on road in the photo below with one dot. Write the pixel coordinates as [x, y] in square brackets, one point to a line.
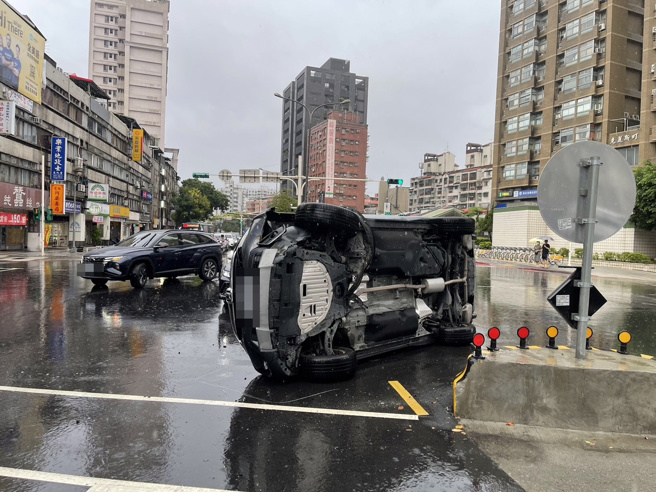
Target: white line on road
[216, 403]
[97, 484]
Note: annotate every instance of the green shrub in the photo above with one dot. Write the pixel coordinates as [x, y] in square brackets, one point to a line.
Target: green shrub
[610, 256]
[634, 258]
[578, 253]
[485, 245]
[564, 252]
[595, 256]
[96, 235]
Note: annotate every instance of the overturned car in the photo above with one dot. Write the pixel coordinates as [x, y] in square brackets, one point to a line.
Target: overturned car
[313, 291]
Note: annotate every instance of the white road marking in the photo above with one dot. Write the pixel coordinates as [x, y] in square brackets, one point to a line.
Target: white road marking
[216, 403]
[97, 484]
[8, 269]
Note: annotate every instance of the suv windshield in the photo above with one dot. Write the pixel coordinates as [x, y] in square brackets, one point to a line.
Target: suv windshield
[138, 240]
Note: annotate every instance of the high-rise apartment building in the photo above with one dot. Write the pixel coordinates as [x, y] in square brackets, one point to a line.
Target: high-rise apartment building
[315, 86]
[338, 156]
[569, 71]
[128, 59]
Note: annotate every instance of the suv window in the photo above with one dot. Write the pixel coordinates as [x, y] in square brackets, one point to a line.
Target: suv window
[137, 241]
[188, 239]
[171, 239]
[202, 239]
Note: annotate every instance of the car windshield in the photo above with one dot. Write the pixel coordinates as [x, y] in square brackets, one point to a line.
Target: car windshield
[138, 240]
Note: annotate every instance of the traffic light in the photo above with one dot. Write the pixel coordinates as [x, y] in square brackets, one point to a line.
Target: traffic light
[49, 215]
[201, 175]
[394, 181]
[37, 213]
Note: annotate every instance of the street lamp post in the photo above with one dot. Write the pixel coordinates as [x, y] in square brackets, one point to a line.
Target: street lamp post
[304, 167]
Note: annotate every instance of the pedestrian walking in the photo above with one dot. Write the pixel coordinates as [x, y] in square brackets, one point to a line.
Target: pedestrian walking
[537, 251]
[545, 254]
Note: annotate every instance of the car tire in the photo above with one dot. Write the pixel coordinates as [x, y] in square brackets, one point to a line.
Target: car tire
[457, 225]
[319, 217]
[456, 336]
[99, 282]
[208, 269]
[139, 276]
[325, 368]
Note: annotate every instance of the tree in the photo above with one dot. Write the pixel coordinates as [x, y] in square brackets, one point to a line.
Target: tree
[191, 205]
[644, 212]
[283, 202]
[483, 221]
[207, 189]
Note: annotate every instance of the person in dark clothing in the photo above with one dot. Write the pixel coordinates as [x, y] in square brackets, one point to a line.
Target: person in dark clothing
[546, 248]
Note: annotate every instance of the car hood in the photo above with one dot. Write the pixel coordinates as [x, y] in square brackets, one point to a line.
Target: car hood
[115, 251]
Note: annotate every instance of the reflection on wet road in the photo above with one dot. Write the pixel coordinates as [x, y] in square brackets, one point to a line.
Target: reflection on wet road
[172, 340]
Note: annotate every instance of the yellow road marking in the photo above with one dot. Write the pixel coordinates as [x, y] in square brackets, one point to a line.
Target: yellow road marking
[408, 398]
[563, 347]
[644, 356]
[511, 347]
[534, 347]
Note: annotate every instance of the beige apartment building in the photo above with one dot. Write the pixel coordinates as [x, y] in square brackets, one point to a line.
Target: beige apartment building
[128, 59]
[570, 71]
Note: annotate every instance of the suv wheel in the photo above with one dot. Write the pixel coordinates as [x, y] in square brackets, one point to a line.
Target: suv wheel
[456, 336]
[139, 276]
[337, 367]
[321, 217]
[208, 269]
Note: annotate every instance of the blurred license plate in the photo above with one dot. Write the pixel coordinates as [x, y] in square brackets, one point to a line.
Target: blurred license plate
[87, 268]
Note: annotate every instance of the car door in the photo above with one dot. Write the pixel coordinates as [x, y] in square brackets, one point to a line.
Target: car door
[167, 259]
[190, 255]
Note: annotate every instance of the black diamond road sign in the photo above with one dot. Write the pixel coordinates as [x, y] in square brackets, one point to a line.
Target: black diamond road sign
[565, 299]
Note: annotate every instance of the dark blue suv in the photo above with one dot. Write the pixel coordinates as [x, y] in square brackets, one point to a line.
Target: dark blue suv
[157, 253]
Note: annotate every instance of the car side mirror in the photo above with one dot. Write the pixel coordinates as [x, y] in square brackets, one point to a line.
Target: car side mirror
[160, 246]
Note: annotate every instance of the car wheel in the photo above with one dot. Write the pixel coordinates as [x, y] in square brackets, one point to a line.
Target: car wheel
[321, 217]
[456, 225]
[99, 282]
[208, 269]
[337, 367]
[456, 336]
[139, 276]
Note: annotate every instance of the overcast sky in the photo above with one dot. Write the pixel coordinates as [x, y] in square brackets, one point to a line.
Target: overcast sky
[431, 67]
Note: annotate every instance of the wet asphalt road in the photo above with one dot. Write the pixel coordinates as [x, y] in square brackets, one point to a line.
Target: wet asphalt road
[171, 340]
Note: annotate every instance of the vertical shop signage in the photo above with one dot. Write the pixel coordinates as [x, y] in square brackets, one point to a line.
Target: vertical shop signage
[137, 142]
[58, 159]
[57, 198]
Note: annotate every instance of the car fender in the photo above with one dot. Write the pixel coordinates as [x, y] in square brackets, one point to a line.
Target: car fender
[143, 259]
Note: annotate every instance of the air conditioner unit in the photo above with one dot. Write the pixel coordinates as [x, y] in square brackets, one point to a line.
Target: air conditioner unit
[653, 29]
[636, 117]
[557, 116]
[602, 27]
[627, 115]
[600, 82]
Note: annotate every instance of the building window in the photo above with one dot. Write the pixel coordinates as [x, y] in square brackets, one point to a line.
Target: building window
[582, 133]
[511, 125]
[520, 170]
[511, 148]
[517, 7]
[524, 121]
[536, 119]
[515, 53]
[572, 29]
[586, 50]
[572, 5]
[583, 106]
[566, 136]
[514, 78]
[527, 73]
[630, 154]
[587, 22]
[509, 172]
[569, 110]
[529, 23]
[585, 78]
[522, 146]
[517, 29]
[513, 101]
[569, 83]
[571, 56]
[529, 47]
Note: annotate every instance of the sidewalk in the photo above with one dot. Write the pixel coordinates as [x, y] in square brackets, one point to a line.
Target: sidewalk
[49, 253]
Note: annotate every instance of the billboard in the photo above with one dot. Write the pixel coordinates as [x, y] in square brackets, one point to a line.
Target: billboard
[98, 192]
[137, 145]
[21, 50]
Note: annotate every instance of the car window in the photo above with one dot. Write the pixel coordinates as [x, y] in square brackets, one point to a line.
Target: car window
[171, 239]
[138, 240]
[203, 239]
[188, 239]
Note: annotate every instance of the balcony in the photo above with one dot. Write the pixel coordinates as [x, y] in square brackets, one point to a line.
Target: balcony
[652, 134]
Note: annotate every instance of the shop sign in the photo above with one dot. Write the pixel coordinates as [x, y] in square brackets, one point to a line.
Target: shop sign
[72, 207]
[8, 117]
[13, 219]
[504, 194]
[626, 138]
[98, 192]
[116, 211]
[14, 196]
[97, 208]
[20, 100]
[98, 219]
[57, 198]
[525, 193]
[145, 195]
[58, 159]
[135, 216]
[137, 139]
